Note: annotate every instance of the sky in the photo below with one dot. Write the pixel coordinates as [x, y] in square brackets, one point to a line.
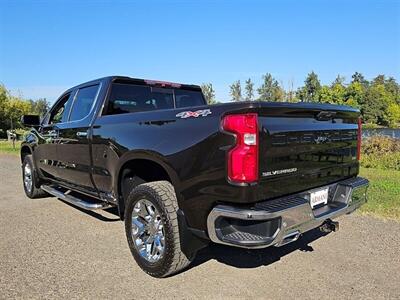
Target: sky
[47, 47]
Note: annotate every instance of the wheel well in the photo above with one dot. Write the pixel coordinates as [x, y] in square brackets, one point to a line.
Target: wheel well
[135, 172]
[25, 150]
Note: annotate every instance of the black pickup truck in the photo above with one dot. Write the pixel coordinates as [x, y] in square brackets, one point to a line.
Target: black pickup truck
[183, 173]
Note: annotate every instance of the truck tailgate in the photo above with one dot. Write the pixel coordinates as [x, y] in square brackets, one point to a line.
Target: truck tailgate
[305, 146]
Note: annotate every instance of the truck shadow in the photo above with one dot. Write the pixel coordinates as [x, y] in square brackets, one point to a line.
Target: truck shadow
[106, 215]
[242, 258]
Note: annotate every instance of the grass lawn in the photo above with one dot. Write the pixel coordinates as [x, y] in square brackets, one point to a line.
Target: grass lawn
[383, 193]
[7, 147]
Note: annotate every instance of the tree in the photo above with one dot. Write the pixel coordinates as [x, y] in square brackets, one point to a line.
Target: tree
[249, 87]
[358, 77]
[339, 80]
[15, 108]
[325, 94]
[393, 88]
[301, 94]
[11, 110]
[40, 106]
[270, 90]
[355, 93]
[380, 79]
[393, 115]
[338, 90]
[312, 86]
[209, 93]
[3, 116]
[375, 104]
[379, 104]
[290, 94]
[236, 91]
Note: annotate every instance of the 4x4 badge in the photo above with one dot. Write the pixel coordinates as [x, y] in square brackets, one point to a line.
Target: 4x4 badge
[194, 114]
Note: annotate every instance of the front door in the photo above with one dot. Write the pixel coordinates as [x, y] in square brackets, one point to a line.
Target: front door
[46, 154]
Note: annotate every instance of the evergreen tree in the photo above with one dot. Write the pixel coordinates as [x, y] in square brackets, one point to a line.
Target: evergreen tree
[358, 77]
[209, 93]
[312, 86]
[249, 87]
[270, 90]
[339, 80]
[236, 91]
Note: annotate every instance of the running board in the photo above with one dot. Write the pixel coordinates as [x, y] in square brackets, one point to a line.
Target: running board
[65, 196]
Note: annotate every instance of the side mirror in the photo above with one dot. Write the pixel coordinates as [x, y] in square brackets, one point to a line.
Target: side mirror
[30, 120]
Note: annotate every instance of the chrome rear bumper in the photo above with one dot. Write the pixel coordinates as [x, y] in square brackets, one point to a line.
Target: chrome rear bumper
[281, 221]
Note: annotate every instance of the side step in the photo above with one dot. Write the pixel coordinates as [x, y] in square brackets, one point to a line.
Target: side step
[65, 196]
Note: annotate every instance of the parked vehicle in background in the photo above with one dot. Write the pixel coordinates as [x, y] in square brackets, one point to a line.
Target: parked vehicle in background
[183, 173]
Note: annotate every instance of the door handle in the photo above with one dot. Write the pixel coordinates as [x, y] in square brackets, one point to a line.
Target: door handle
[81, 134]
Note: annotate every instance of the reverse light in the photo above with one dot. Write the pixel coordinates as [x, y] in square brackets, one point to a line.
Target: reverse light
[359, 137]
[243, 157]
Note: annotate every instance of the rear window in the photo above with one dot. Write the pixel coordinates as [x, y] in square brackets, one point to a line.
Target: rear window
[129, 98]
[187, 98]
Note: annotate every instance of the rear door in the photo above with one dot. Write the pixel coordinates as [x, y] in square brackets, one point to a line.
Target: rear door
[73, 146]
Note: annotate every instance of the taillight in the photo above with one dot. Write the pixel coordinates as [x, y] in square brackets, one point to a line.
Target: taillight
[243, 158]
[359, 137]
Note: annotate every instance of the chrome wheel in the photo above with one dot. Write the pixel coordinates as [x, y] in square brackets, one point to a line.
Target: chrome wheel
[28, 177]
[148, 231]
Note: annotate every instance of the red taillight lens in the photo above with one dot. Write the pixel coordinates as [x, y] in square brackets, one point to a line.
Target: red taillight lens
[359, 137]
[243, 158]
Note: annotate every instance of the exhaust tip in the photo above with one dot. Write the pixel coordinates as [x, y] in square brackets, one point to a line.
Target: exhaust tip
[289, 238]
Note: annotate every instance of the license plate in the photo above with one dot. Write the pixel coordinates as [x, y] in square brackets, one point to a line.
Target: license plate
[319, 197]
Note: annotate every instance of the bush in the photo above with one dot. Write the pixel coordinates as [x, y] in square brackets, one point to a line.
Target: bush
[380, 145]
[386, 162]
[381, 152]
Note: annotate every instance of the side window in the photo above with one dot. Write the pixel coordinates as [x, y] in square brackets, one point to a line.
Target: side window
[60, 112]
[129, 98]
[83, 103]
[188, 98]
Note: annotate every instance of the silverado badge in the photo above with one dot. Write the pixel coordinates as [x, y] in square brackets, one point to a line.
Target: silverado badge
[279, 172]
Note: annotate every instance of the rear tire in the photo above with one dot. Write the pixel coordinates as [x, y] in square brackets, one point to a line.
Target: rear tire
[30, 179]
[147, 202]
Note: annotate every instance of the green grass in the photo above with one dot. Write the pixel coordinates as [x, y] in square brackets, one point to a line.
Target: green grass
[383, 193]
[7, 147]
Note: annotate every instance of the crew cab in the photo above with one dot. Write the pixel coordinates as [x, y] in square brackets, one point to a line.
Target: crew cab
[183, 173]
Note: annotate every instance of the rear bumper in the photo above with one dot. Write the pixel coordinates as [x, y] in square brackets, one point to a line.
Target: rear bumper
[281, 221]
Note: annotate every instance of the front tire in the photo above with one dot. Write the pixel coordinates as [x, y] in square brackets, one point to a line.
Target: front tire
[152, 231]
[30, 179]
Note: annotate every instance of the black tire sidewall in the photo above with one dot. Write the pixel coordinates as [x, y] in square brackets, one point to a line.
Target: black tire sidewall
[162, 266]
